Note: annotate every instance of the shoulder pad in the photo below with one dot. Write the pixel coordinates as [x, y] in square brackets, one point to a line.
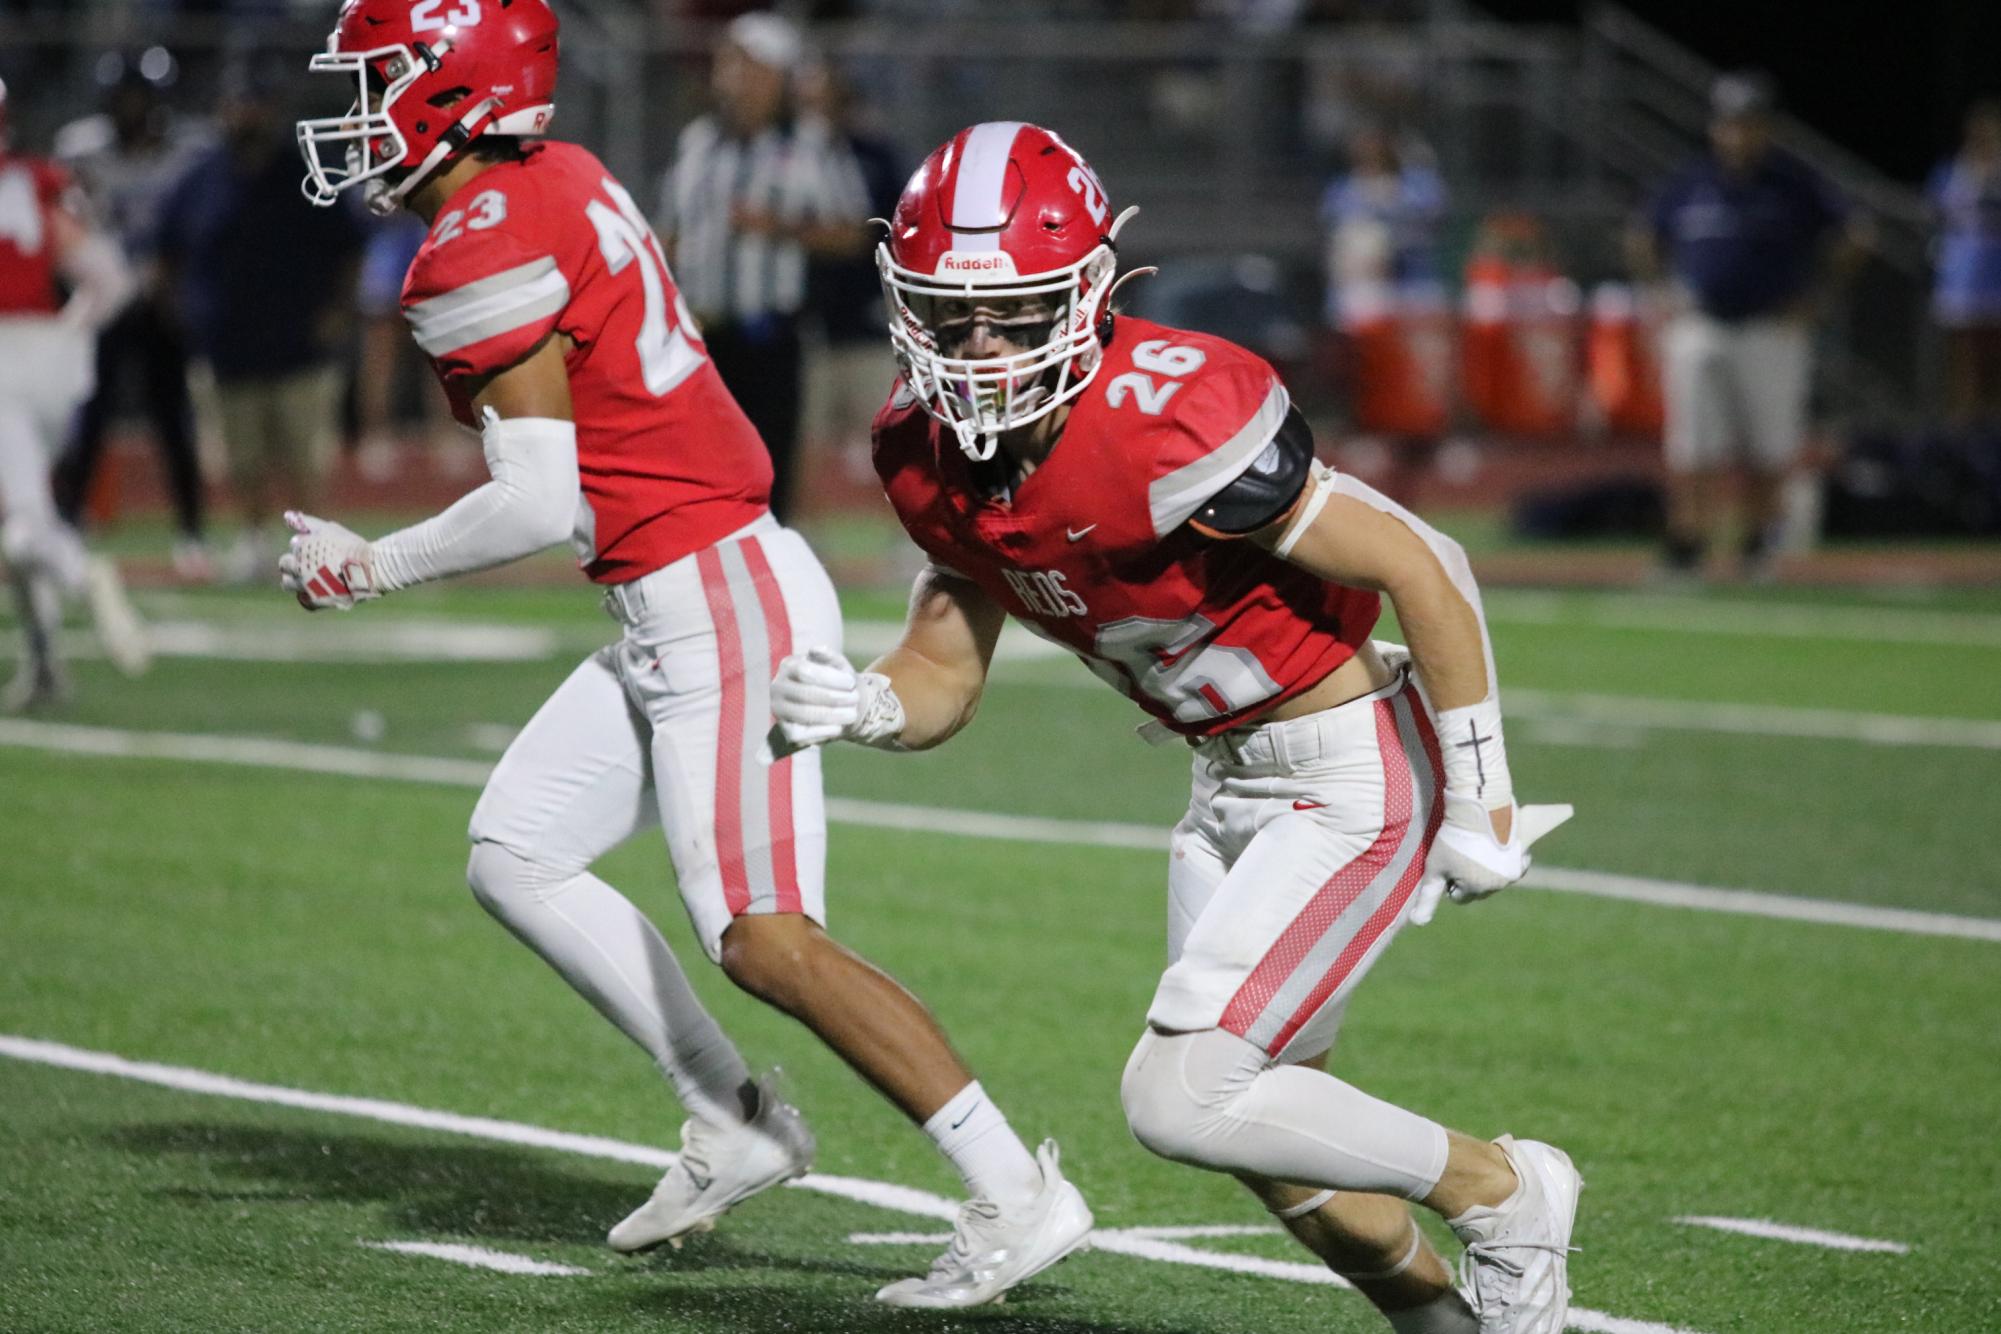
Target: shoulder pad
[1267, 490]
[1213, 428]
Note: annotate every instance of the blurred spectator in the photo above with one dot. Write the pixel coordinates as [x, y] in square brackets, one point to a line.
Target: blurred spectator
[848, 376]
[1966, 192]
[1385, 296]
[265, 282]
[127, 157]
[1382, 219]
[755, 189]
[1748, 232]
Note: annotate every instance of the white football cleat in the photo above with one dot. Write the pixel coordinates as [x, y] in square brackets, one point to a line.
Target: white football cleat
[1513, 1273]
[719, 1168]
[118, 626]
[994, 1249]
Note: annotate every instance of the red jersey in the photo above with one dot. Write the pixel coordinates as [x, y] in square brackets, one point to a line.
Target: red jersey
[1093, 549]
[553, 244]
[32, 192]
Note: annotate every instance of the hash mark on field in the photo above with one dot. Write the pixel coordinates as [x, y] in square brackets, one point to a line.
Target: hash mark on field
[1805, 1236]
[351, 762]
[478, 1257]
[881, 1194]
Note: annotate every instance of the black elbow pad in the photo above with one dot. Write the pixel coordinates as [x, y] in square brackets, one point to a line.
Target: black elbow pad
[1265, 492]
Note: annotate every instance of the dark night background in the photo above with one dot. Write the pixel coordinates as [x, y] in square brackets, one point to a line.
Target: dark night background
[1889, 80]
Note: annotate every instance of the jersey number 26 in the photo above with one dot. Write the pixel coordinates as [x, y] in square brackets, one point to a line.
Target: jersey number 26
[1168, 360]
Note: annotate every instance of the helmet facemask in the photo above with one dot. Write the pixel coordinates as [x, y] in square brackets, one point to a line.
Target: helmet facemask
[367, 138]
[1056, 316]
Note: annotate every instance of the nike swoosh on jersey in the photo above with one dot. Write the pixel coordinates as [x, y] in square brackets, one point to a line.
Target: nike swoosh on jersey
[1078, 534]
[1308, 805]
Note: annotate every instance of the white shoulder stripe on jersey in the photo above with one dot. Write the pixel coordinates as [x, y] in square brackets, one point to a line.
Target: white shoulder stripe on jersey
[976, 195]
[489, 306]
[1175, 497]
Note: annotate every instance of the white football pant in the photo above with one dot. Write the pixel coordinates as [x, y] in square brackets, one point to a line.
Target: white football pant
[46, 371]
[1293, 869]
[667, 725]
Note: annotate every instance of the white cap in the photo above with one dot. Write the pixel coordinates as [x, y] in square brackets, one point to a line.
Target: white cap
[769, 39]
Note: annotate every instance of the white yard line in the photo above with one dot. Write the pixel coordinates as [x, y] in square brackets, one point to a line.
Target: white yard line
[478, 1257]
[881, 1194]
[1200, 1230]
[386, 640]
[1626, 713]
[1804, 1236]
[1751, 903]
[347, 761]
[1761, 620]
[1610, 720]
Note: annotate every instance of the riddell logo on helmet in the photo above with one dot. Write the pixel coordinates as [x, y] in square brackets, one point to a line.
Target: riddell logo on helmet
[982, 263]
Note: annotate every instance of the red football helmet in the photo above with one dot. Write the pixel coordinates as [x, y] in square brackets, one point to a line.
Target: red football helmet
[1002, 212]
[431, 77]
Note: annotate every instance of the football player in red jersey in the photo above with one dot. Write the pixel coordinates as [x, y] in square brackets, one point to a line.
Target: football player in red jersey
[542, 298]
[60, 280]
[1148, 498]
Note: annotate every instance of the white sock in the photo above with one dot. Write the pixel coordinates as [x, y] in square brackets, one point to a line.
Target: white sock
[971, 1131]
[1447, 1315]
[615, 958]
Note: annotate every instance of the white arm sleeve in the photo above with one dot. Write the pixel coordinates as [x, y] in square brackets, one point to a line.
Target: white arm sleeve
[100, 281]
[531, 503]
[1470, 738]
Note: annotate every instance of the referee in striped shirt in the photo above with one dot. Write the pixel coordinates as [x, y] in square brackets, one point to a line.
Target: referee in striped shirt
[756, 190]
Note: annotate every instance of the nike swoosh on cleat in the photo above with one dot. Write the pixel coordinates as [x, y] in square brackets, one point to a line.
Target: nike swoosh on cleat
[1078, 534]
[1308, 805]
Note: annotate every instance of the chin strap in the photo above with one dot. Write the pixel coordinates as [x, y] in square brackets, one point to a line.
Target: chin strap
[971, 438]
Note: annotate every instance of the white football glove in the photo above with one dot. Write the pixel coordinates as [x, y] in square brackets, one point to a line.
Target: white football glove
[327, 565]
[1468, 862]
[818, 697]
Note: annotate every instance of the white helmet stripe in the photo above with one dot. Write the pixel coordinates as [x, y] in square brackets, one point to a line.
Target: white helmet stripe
[976, 194]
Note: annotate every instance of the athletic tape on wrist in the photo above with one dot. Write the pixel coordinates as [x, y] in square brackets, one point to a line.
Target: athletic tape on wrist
[1476, 754]
[882, 718]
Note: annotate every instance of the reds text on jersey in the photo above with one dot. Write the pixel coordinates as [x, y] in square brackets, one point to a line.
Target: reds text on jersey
[553, 244]
[32, 191]
[1093, 551]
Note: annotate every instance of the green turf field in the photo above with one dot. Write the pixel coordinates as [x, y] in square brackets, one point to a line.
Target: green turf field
[218, 909]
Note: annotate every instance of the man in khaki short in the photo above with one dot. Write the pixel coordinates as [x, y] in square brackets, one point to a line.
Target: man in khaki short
[265, 283]
[1747, 232]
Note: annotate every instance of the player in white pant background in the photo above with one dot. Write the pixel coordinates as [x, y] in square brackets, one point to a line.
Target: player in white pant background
[1148, 498]
[47, 365]
[543, 301]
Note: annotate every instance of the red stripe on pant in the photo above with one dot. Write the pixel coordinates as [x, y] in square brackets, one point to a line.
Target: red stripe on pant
[729, 732]
[777, 634]
[1334, 896]
[1379, 920]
